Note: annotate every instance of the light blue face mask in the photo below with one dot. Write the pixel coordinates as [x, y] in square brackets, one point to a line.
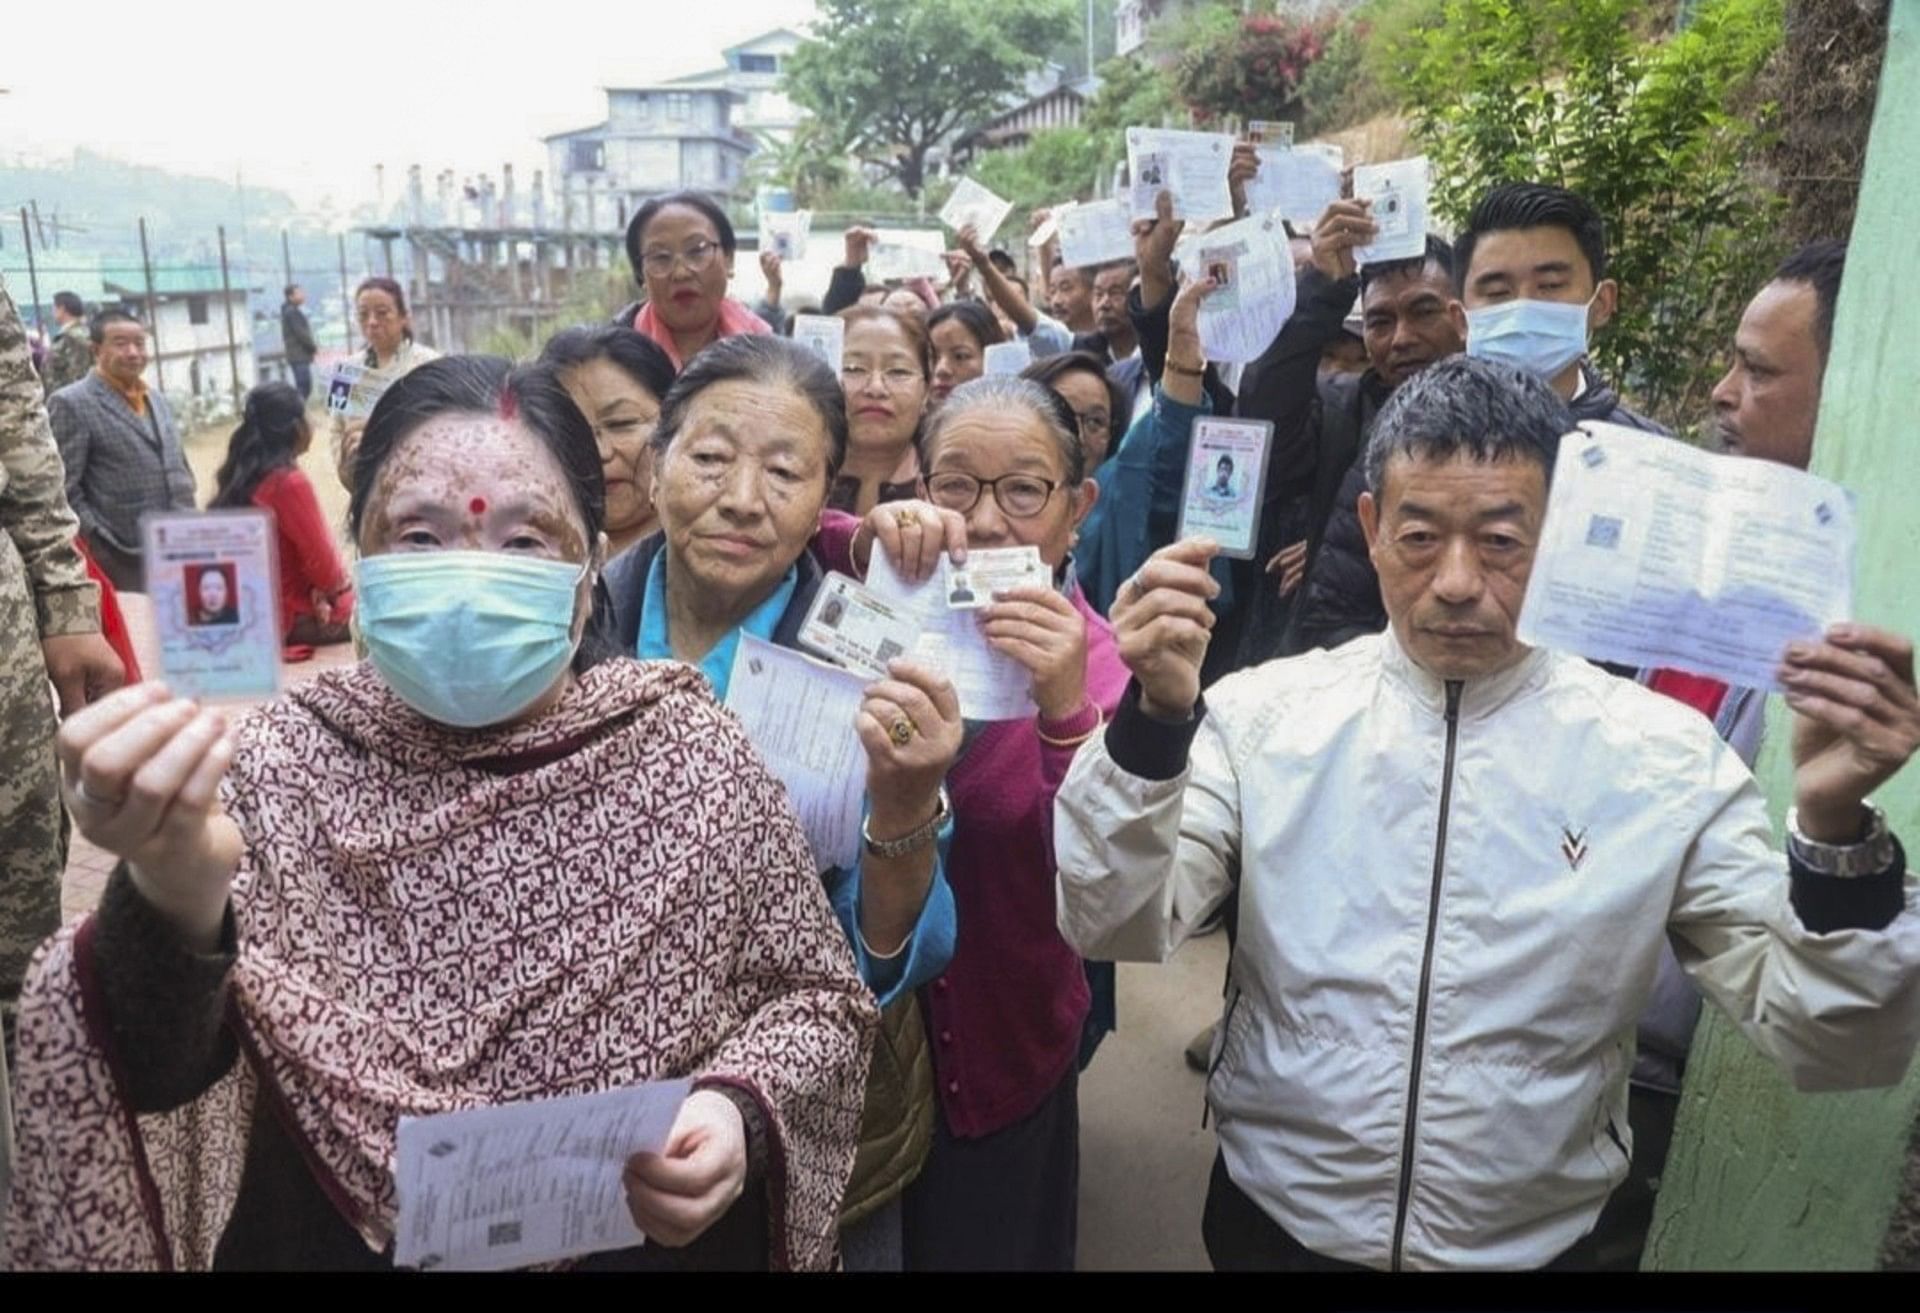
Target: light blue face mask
[1540, 337]
[466, 638]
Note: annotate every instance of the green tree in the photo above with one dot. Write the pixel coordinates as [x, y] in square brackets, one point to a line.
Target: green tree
[1597, 96]
[1133, 94]
[892, 78]
[812, 163]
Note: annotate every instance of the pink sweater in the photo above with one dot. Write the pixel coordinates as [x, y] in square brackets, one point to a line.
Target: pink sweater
[1005, 1019]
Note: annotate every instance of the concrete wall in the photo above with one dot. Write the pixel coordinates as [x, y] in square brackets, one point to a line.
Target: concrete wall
[1762, 1177]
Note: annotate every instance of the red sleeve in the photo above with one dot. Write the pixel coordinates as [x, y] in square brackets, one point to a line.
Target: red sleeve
[833, 541]
[303, 529]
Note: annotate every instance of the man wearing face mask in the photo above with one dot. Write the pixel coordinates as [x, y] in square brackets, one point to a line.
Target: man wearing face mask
[1531, 271]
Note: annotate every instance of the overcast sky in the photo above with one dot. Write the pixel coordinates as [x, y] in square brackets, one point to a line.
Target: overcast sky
[309, 97]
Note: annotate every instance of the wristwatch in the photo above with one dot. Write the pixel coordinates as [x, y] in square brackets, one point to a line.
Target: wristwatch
[1846, 861]
[913, 840]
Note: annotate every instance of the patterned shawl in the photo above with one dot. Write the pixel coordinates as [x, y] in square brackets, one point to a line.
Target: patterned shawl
[421, 932]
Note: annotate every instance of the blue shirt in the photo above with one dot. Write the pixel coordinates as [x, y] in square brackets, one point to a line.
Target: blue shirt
[930, 947]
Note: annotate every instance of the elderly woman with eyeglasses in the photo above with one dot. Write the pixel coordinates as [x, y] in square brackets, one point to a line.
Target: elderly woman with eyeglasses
[681, 248]
[1005, 467]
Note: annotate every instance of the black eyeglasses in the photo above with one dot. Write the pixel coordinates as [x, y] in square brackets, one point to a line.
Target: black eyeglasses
[1021, 496]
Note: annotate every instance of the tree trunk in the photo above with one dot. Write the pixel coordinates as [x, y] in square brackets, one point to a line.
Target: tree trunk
[913, 171]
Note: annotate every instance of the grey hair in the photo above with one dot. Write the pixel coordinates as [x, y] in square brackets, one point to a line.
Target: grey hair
[1010, 392]
[1482, 409]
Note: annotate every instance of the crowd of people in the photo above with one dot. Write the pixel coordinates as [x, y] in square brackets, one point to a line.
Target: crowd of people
[1474, 891]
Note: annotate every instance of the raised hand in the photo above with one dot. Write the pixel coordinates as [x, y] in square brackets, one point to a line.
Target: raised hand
[859, 246]
[141, 774]
[1856, 723]
[914, 535]
[1153, 242]
[1041, 630]
[910, 725]
[1162, 625]
[1345, 226]
[1241, 170]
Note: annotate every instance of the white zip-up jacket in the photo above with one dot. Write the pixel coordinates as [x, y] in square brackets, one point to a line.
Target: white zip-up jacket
[1449, 922]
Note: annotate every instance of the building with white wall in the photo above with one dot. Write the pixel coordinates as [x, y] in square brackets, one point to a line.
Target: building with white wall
[188, 341]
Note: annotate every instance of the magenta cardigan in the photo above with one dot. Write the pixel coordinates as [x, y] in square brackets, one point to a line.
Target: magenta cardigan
[1004, 1020]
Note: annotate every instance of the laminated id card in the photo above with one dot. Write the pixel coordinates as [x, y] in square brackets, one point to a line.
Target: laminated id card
[1226, 470]
[849, 624]
[988, 571]
[353, 389]
[215, 588]
[824, 335]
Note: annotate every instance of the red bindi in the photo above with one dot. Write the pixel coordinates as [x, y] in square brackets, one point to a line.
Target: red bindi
[478, 505]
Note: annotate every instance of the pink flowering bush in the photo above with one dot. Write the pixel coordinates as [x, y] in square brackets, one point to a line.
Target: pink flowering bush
[1253, 70]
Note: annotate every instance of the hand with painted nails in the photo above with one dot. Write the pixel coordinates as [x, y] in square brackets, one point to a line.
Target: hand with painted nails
[1162, 625]
[141, 773]
[1856, 723]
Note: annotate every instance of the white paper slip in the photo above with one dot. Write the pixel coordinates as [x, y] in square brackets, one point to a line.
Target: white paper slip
[848, 624]
[824, 335]
[1095, 233]
[907, 253]
[1226, 473]
[1239, 323]
[989, 571]
[1655, 553]
[990, 686]
[1399, 195]
[1191, 165]
[1048, 230]
[353, 388]
[785, 232]
[518, 1184]
[973, 204]
[214, 584]
[1008, 357]
[802, 718]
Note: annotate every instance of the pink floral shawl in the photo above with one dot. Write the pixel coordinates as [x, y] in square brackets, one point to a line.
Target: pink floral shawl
[421, 932]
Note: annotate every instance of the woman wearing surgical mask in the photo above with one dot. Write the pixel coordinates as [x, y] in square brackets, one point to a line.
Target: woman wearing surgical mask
[617, 378]
[483, 867]
[749, 442]
[1006, 467]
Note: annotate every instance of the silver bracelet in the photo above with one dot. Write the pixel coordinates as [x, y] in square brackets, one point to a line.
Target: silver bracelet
[1844, 861]
[913, 840]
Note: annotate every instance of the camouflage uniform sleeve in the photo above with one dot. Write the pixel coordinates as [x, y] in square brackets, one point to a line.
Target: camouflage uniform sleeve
[33, 497]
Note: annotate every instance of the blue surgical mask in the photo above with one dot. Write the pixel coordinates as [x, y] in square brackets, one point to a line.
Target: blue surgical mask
[1540, 337]
[467, 638]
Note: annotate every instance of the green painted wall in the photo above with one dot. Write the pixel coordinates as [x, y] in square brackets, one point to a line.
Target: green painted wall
[1762, 1177]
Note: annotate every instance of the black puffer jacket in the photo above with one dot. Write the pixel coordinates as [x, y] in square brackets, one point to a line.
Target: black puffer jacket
[1340, 599]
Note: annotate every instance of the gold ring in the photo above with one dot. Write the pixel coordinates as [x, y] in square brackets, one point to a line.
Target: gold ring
[906, 519]
[901, 732]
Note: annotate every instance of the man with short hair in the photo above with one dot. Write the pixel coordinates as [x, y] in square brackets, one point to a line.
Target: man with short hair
[1530, 271]
[1456, 861]
[296, 339]
[72, 353]
[1070, 298]
[121, 449]
[1768, 403]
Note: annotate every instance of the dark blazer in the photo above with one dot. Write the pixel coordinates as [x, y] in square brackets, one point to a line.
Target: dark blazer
[119, 465]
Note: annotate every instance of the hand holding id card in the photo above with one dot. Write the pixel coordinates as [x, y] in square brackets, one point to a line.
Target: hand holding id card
[1226, 470]
[988, 571]
[354, 388]
[215, 588]
[850, 625]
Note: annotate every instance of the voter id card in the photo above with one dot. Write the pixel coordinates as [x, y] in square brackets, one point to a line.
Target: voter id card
[1226, 470]
[824, 335]
[353, 389]
[851, 625]
[1268, 132]
[988, 571]
[215, 589]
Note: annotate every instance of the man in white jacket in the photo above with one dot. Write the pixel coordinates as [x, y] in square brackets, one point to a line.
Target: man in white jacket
[1456, 859]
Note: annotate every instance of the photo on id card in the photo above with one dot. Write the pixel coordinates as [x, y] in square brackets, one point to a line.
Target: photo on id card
[851, 625]
[214, 584]
[1226, 470]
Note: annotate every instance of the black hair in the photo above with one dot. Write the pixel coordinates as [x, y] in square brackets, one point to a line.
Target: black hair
[532, 396]
[1002, 261]
[1484, 409]
[113, 314]
[1051, 369]
[70, 303]
[693, 200]
[1012, 392]
[392, 289]
[1225, 460]
[638, 356]
[973, 316]
[1438, 252]
[270, 429]
[759, 358]
[1124, 262]
[1819, 265]
[289, 290]
[1534, 205]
